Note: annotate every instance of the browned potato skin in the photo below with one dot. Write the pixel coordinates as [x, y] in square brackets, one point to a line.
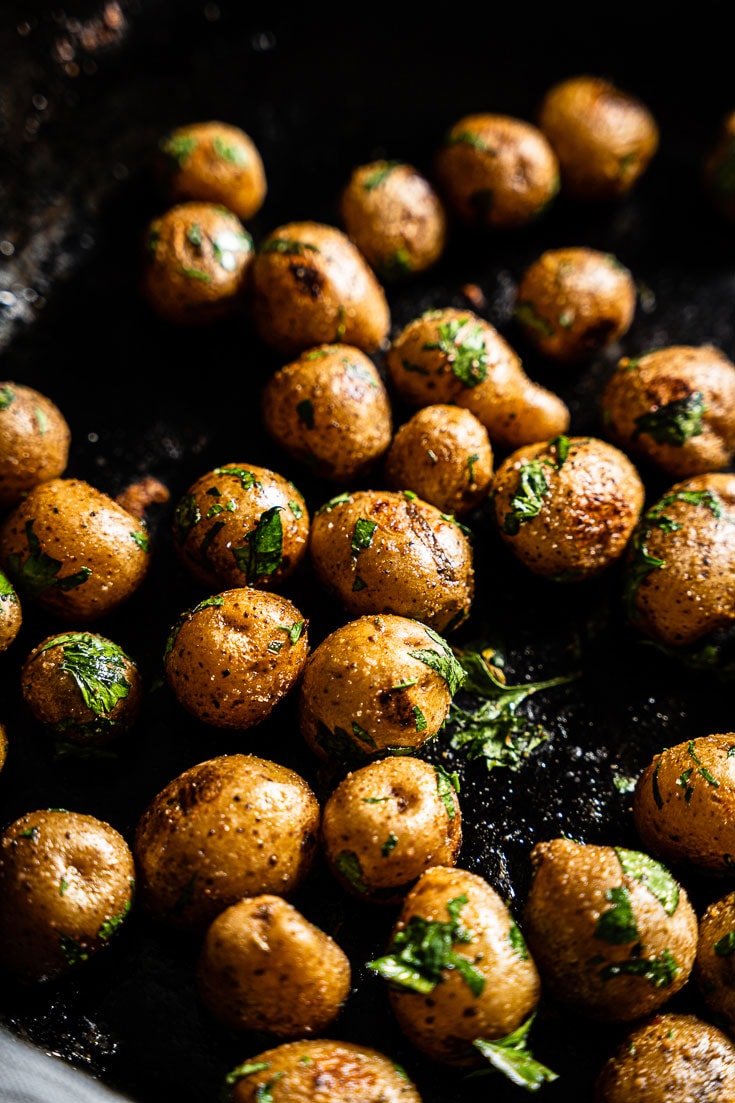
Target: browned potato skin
[63, 876]
[573, 302]
[34, 441]
[264, 966]
[85, 531]
[218, 513]
[394, 798]
[330, 410]
[231, 827]
[394, 217]
[442, 453]
[223, 662]
[3, 746]
[717, 176]
[603, 137]
[670, 1057]
[496, 172]
[419, 563]
[568, 895]
[196, 264]
[324, 1071]
[11, 613]
[311, 286]
[444, 1023]
[213, 162]
[586, 519]
[647, 384]
[714, 967]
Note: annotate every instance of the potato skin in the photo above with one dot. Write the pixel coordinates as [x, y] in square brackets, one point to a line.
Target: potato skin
[233, 826]
[714, 966]
[593, 915]
[3, 746]
[34, 441]
[66, 884]
[11, 613]
[264, 966]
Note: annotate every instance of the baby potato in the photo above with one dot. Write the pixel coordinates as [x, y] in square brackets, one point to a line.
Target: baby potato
[718, 177]
[675, 408]
[311, 285]
[389, 821]
[73, 551]
[66, 885]
[233, 657]
[567, 508]
[679, 580]
[613, 933]
[3, 745]
[264, 966]
[603, 136]
[241, 525]
[11, 613]
[443, 454]
[496, 172]
[330, 410]
[34, 441]
[714, 966]
[234, 826]
[394, 217]
[388, 552]
[572, 303]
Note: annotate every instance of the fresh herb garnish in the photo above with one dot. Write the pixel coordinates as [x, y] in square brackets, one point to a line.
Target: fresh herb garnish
[443, 661]
[228, 151]
[511, 1056]
[179, 147]
[362, 535]
[97, 666]
[446, 785]
[379, 174]
[262, 553]
[288, 247]
[389, 845]
[39, 572]
[656, 878]
[617, 925]
[660, 971]
[464, 348]
[676, 422]
[725, 945]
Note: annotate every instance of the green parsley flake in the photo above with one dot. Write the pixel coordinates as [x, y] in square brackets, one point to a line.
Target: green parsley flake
[262, 554]
[362, 535]
[288, 247]
[38, 572]
[447, 784]
[660, 971]
[7, 396]
[511, 1056]
[464, 348]
[617, 925]
[676, 422]
[380, 173]
[389, 845]
[656, 878]
[179, 147]
[725, 945]
[443, 661]
[98, 667]
[231, 152]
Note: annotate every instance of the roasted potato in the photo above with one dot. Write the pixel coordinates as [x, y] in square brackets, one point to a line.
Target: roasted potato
[714, 966]
[718, 170]
[11, 613]
[3, 745]
[34, 441]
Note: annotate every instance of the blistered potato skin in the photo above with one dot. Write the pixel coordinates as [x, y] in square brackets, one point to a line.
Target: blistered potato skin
[714, 966]
[573, 886]
[11, 613]
[212, 162]
[34, 441]
[231, 827]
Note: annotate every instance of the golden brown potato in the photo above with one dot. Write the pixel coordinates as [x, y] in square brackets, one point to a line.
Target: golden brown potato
[387, 552]
[669, 1057]
[714, 967]
[330, 410]
[241, 525]
[718, 170]
[394, 217]
[613, 933]
[679, 580]
[675, 407]
[566, 508]
[196, 263]
[312, 286]
[571, 303]
[496, 172]
[11, 613]
[213, 162]
[233, 826]
[388, 822]
[72, 550]
[66, 885]
[3, 745]
[442, 453]
[603, 136]
[34, 441]
[264, 966]
[233, 657]
[320, 1071]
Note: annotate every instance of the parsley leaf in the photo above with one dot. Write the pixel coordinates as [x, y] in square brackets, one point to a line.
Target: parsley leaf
[262, 553]
[511, 1056]
[97, 666]
[443, 661]
[464, 349]
[676, 422]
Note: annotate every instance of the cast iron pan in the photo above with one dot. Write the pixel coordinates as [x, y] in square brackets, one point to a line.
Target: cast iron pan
[85, 95]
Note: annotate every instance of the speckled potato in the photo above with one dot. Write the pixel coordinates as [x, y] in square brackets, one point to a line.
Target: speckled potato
[603, 136]
[395, 218]
[443, 454]
[567, 508]
[718, 170]
[311, 286]
[197, 258]
[496, 172]
[11, 613]
[330, 410]
[387, 822]
[320, 1071]
[241, 525]
[72, 550]
[679, 579]
[264, 966]
[669, 1057]
[714, 966]
[448, 1005]
[34, 441]
[213, 162]
[388, 552]
[613, 933]
[234, 826]
[574, 302]
[675, 407]
[67, 882]
[235, 656]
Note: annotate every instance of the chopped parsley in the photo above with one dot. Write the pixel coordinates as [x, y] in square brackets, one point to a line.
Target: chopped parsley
[288, 247]
[229, 151]
[380, 173]
[262, 553]
[464, 348]
[446, 785]
[362, 535]
[676, 422]
[443, 661]
[656, 878]
[617, 925]
[660, 971]
[39, 572]
[179, 147]
[725, 945]
[98, 667]
[389, 845]
[348, 864]
[511, 1056]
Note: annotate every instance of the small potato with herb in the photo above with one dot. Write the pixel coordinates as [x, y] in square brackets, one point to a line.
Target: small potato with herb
[11, 613]
[212, 162]
[714, 966]
[34, 441]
